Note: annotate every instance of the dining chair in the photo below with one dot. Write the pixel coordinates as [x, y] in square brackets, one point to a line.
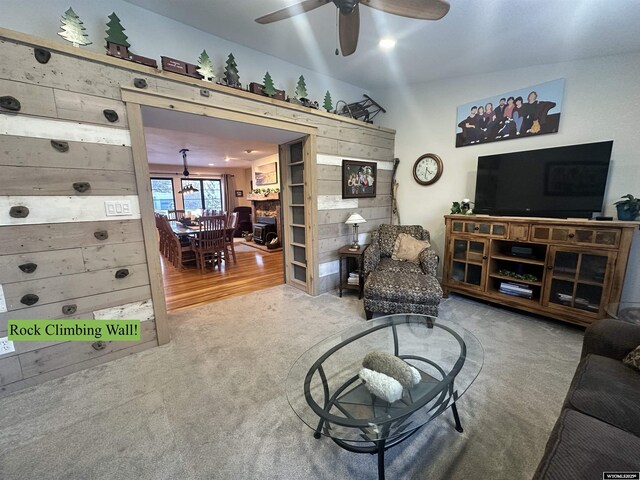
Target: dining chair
[232, 224]
[159, 232]
[176, 215]
[165, 233]
[177, 252]
[210, 242]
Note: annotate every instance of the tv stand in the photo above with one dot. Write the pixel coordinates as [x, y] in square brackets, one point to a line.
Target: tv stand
[573, 268]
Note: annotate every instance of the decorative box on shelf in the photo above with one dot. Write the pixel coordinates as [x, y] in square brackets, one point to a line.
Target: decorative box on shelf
[178, 66]
[258, 197]
[258, 89]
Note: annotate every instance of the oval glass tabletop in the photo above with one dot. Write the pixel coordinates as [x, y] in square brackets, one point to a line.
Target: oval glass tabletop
[325, 391]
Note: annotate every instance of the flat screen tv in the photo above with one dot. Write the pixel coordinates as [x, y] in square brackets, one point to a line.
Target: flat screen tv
[560, 182]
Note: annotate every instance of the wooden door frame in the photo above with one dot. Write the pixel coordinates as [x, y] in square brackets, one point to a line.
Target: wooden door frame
[135, 99]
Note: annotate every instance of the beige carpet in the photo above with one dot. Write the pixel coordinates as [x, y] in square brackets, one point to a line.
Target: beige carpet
[211, 404]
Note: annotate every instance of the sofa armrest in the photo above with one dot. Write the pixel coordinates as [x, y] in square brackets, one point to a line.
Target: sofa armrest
[429, 261]
[371, 258]
[610, 338]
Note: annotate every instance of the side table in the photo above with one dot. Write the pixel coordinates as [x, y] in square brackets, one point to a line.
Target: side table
[345, 254]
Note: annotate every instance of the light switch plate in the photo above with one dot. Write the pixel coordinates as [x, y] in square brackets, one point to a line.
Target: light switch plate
[6, 346]
[117, 208]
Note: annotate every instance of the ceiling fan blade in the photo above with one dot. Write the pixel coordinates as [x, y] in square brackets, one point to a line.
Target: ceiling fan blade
[421, 9]
[349, 31]
[291, 11]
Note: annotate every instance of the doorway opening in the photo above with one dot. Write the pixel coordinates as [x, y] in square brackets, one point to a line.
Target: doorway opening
[232, 169]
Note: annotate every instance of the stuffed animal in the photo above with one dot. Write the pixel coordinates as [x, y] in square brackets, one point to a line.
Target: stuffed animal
[392, 366]
[381, 385]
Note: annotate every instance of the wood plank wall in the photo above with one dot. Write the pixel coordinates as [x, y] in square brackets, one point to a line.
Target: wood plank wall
[64, 100]
[333, 211]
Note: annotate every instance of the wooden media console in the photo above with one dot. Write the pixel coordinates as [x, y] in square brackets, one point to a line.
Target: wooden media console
[569, 269]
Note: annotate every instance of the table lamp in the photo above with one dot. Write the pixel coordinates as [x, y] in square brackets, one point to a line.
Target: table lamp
[355, 219]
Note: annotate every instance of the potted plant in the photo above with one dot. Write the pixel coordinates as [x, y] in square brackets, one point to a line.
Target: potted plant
[629, 208]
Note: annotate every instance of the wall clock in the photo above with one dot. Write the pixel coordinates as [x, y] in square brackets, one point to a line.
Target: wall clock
[427, 169]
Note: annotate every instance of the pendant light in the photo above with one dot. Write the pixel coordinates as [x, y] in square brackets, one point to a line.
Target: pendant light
[189, 188]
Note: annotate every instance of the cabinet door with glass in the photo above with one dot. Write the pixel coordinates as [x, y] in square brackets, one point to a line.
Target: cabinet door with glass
[578, 279]
[468, 262]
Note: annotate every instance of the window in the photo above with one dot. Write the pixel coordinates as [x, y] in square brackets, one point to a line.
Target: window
[208, 196]
[162, 193]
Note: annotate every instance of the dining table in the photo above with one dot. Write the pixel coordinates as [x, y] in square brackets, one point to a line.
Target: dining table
[182, 230]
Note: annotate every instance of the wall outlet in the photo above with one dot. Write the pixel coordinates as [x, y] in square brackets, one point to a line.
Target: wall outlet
[117, 208]
[6, 346]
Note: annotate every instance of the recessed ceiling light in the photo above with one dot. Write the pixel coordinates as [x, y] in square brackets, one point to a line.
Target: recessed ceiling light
[211, 164]
[387, 43]
[226, 159]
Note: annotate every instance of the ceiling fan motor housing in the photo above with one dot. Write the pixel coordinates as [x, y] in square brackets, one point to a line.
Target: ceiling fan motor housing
[346, 6]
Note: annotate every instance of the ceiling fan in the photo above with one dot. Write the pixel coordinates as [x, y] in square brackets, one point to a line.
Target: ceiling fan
[349, 14]
[189, 188]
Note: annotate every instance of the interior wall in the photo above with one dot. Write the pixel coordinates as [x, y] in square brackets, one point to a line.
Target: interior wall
[153, 35]
[61, 135]
[601, 102]
[264, 161]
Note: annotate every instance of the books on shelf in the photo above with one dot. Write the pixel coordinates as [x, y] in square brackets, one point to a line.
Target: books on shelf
[516, 289]
[577, 302]
[353, 281]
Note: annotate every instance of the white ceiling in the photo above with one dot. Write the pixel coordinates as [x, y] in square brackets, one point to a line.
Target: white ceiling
[209, 140]
[476, 36]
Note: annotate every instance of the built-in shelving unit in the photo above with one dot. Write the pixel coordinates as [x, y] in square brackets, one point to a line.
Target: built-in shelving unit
[565, 269]
[296, 215]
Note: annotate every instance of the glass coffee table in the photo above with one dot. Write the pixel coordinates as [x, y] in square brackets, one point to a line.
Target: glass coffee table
[326, 393]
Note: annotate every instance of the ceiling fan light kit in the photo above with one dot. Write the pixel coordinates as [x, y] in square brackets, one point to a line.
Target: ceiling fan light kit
[189, 188]
[349, 14]
[387, 43]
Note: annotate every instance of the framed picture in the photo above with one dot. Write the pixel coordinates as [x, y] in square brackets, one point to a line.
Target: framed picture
[359, 179]
[239, 193]
[266, 174]
[527, 112]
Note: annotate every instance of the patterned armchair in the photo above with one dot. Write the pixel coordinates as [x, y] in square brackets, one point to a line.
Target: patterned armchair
[393, 286]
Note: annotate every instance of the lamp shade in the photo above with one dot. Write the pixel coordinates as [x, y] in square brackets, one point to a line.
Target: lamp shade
[355, 218]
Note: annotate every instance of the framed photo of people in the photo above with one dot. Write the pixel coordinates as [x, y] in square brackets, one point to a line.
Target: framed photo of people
[526, 112]
[359, 179]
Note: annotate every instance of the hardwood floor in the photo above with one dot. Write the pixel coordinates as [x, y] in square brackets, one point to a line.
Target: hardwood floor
[255, 270]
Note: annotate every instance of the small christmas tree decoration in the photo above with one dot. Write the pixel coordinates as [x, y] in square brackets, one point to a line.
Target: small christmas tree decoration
[328, 105]
[115, 32]
[73, 30]
[118, 46]
[205, 66]
[301, 88]
[268, 88]
[231, 76]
